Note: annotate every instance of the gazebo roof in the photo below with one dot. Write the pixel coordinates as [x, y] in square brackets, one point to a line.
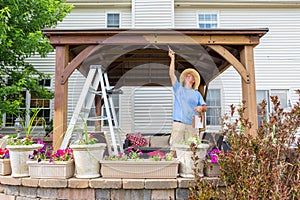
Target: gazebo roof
[143, 52]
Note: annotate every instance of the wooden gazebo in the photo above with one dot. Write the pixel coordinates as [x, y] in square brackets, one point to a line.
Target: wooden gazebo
[210, 51]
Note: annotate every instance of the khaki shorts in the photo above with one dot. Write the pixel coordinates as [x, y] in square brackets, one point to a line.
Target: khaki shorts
[181, 132]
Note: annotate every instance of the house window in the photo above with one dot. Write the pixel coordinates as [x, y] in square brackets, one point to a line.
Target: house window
[113, 20]
[31, 102]
[282, 97]
[208, 20]
[213, 102]
[265, 95]
[260, 96]
[44, 113]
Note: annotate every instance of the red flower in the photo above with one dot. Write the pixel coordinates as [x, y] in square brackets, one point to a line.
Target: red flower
[4, 153]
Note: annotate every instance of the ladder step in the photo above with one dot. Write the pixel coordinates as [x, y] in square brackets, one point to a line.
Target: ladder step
[115, 91]
[98, 118]
[108, 91]
[85, 110]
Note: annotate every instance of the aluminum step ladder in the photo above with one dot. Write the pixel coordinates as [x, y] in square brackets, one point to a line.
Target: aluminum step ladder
[84, 104]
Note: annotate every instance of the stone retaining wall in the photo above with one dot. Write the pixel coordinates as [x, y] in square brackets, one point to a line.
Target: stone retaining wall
[98, 188]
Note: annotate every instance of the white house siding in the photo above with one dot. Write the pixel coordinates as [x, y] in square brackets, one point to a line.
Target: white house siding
[277, 61]
[152, 111]
[125, 111]
[44, 64]
[75, 85]
[152, 14]
[83, 18]
[185, 18]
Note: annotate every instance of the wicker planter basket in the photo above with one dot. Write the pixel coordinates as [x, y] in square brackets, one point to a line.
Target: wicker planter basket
[57, 170]
[139, 169]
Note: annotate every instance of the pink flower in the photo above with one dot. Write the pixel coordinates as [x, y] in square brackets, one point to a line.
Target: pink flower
[130, 150]
[156, 153]
[214, 159]
[213, 155]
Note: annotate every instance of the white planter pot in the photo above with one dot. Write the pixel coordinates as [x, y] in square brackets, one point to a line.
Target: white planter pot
[56, 169]
[139, 169]
[212, 169]
[5, 168]
[18, 157]
[184, 155]
[87, 159]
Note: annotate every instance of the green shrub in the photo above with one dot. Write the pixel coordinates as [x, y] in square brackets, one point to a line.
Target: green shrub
[261, 166]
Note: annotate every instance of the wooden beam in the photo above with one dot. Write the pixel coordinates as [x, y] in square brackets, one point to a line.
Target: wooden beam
[232, 60]
[154, 39]
[76, 62]
[249, 89]
[60, 96]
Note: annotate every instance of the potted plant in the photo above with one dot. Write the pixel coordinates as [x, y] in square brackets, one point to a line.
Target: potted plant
[184, 155]
[159, 165]
[21, 148]
[211, 166]
[45, 163]
[5, 167]
[87, 154]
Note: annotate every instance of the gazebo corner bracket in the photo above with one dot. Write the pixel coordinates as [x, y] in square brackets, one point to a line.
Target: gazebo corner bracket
[76, 62]
[233, 61]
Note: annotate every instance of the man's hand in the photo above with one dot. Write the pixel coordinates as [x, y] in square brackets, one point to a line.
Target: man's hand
[172, 66]
[171, 54]
[200, 109]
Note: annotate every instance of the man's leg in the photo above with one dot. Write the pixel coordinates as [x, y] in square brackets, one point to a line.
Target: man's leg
[176, 136]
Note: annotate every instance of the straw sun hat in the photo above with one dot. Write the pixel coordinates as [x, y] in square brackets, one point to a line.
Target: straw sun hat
[195, 75]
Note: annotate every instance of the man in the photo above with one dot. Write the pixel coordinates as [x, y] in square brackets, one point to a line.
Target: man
[187, 102]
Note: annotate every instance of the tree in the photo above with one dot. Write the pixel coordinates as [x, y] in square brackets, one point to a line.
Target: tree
[21, 22]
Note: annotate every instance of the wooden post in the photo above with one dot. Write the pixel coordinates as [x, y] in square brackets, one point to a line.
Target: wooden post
[249, 89]
[98, 105]
[60, 97]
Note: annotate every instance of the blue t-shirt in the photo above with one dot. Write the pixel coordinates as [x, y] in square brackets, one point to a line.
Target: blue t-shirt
[185, 101]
